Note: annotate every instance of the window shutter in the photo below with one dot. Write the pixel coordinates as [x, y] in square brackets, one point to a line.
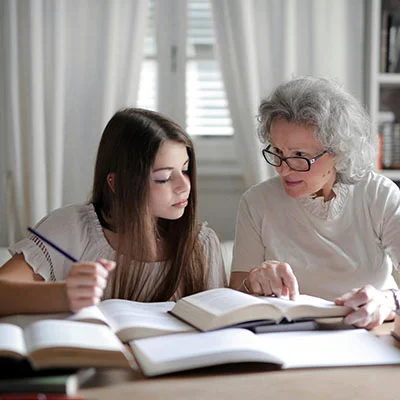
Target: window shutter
[207, 112]
[147, 95]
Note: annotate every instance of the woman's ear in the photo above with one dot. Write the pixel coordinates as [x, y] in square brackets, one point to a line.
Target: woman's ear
[111, 181]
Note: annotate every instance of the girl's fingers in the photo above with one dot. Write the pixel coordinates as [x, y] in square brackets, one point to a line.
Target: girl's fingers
[88, 268]
[107, 264]
[86, 281]
[86, 293]
[78, 304]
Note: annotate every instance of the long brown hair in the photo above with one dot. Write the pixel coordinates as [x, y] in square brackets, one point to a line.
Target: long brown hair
[128, 149]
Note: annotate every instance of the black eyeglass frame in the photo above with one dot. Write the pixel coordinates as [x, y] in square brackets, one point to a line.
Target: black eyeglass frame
[309, 161]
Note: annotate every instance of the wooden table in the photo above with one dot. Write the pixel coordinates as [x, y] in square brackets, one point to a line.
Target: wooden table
[247, 381]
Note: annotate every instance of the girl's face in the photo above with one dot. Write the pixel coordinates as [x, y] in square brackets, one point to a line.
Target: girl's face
[294, 140]
[170, 182]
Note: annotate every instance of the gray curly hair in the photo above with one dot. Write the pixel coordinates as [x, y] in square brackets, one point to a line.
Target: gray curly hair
[341, 123]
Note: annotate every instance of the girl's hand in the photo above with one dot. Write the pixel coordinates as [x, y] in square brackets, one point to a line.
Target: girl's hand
[272, 278]
[86, 281]
[371, 306]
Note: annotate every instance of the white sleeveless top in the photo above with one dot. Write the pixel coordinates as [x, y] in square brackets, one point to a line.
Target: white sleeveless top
[77, 230]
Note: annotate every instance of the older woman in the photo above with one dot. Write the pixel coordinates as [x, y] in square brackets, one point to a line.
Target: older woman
[327, 225]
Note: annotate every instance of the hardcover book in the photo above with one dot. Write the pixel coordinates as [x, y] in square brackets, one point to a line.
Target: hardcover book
[64, 344]
[284, 350]
[223, 307]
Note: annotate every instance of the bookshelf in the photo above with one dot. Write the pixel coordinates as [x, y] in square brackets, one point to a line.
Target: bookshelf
[382, 87]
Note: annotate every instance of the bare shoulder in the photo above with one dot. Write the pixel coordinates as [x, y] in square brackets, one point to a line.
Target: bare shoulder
[16, 268]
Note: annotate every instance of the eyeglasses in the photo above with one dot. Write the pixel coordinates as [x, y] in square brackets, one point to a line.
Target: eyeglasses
[301, 164]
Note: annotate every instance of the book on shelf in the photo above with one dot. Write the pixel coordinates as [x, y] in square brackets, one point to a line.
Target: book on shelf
[384, 40]
[52, 382]
[393, 38]
[223, 307]
[396, 145]
[386, 132]
[390, 41]
[284, 350]
[64, 344]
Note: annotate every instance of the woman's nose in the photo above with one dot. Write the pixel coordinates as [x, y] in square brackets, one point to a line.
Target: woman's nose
[183, 184]
[284, 169]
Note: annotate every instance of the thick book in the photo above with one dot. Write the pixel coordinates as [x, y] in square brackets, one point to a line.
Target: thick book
[284, 350]
[64, 344]
[223, 307]
[54, 381]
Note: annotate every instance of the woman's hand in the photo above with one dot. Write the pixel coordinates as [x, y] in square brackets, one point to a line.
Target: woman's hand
[272, 278]
[86, 282]
[371, 306]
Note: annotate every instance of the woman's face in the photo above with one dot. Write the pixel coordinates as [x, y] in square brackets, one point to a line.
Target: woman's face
[294, 140]
[170, 182]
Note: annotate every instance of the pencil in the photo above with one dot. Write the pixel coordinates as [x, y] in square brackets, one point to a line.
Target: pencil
[50, 243]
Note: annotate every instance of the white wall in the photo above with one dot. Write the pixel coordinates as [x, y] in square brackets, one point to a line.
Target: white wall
[218, 201]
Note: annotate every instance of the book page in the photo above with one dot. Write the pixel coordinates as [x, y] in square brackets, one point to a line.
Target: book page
[329, 348]
[89, 314]
[132, 319]
[166, 354]
[307, 306]
[146, 325]
[12, 341]
[70, 334]
[221, 301]
[218, 308]
[114, 311]
[113, 307]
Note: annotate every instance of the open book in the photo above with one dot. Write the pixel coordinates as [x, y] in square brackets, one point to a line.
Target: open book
[127, 319]
[179, 352]
[133, 320]
[64, 344]
[219, 308]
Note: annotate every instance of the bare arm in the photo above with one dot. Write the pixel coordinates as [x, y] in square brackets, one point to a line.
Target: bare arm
[23, 292]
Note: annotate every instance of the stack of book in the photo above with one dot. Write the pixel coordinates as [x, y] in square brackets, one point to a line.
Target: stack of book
[201, 330]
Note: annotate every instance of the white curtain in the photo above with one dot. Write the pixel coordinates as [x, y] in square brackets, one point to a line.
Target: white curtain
[261, 43]
[66, 67]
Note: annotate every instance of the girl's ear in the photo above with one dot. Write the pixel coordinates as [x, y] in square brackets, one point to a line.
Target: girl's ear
[111, 181]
